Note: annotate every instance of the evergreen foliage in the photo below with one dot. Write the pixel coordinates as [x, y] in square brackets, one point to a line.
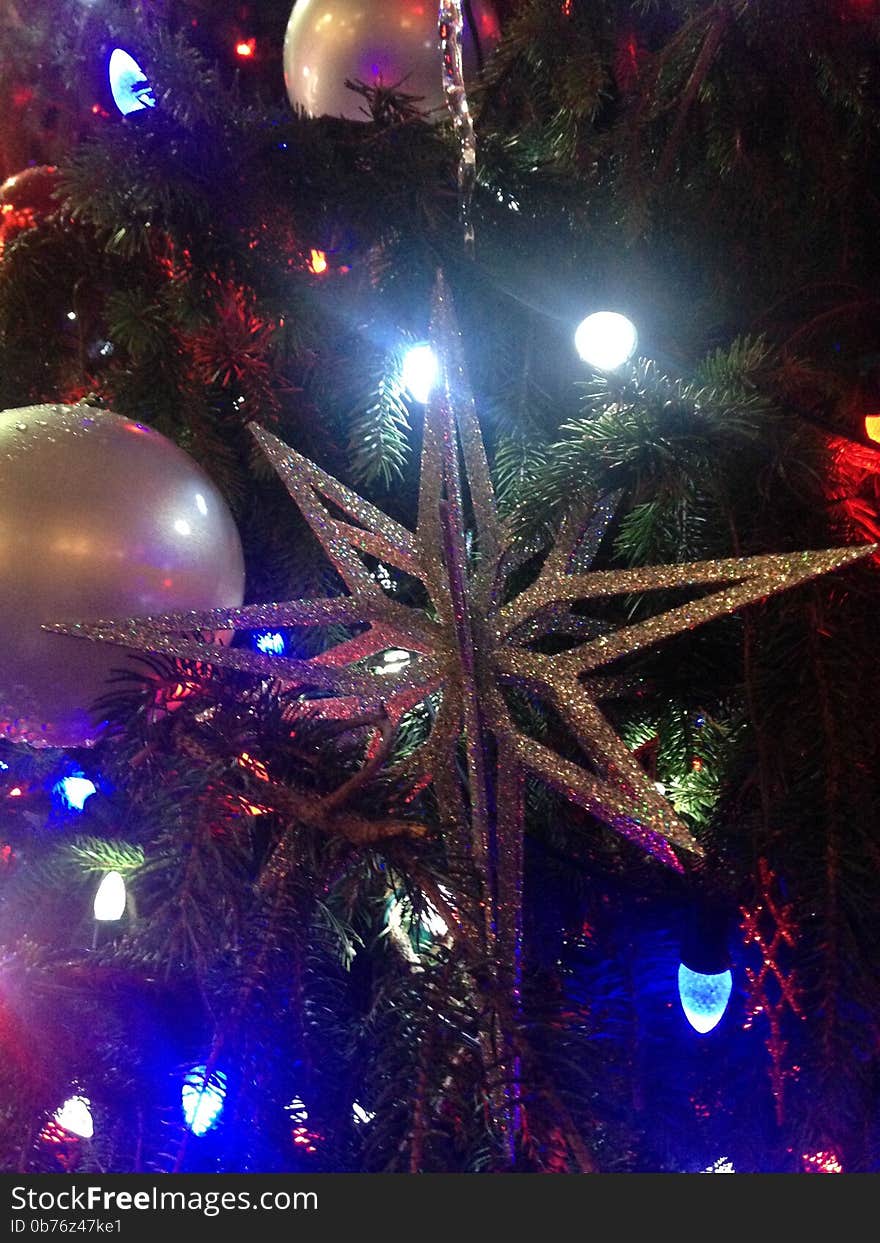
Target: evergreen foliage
[706, 166]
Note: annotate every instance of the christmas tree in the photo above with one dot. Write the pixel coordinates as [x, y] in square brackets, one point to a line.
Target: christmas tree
[483, 775]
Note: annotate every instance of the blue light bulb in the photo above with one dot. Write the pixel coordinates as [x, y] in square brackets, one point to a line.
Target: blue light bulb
[202, 1099]
[129, 85]
[271, 643]
[704, 998]
[73, 791]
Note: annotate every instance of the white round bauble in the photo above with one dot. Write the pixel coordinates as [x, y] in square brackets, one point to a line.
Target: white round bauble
[100, 518]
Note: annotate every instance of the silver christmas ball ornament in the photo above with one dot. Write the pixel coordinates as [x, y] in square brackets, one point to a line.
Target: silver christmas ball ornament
[100, 518]
[393, 43]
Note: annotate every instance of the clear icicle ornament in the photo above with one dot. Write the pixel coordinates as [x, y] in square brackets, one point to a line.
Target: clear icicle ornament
[451, 26]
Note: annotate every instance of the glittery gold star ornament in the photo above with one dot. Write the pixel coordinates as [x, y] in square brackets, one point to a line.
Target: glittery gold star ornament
[471, 641]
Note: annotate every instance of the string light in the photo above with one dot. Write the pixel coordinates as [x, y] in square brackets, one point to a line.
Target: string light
[129, 85]
[394, 660]
[824, 1162]
[270, 642]
[257, 767]
[606, 340]
[110, 898]
[705, 981]
[245, 48]
[872, 427]
[261, 772]
[383, 577]
[75, 1117]
[202, 1098]
[723, 1165]
[704, 998]
[297, 1110]
[360, 1115]
[302, 1136]
[317, 262]
[73, 791]
[419, 372]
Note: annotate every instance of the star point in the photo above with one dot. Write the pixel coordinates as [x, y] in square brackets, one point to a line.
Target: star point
[469, 646]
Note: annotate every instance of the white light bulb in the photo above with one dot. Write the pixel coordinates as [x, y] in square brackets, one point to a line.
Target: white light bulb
[297, 1109]
[75, 1116]
[606, 340]
[394, 660]
[419, 372]
[360, 1114]
[110, 898]
[723, 1165]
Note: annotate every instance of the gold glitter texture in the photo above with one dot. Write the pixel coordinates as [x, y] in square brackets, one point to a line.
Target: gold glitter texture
[471, 640]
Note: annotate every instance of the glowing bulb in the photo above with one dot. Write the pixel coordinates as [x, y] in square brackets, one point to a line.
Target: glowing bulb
[872, 427]
[245, 47]
[419, 372]
[317, 262]
[361, 1115]
[302, 1136]
[704, 998]
[202, 1098]
[297, 1110]
[271, 643]
[606, 340]
[257, 767]
[129, 86]
[394, 660]
[110, 898]
[825, 1162]
[73, 791]
[723, 1165]
[75, 1116]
